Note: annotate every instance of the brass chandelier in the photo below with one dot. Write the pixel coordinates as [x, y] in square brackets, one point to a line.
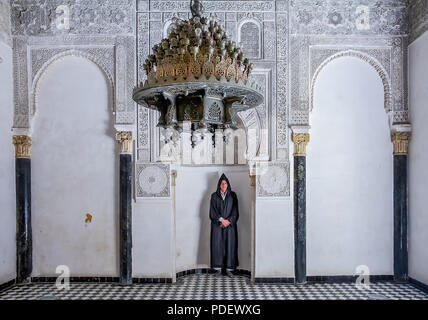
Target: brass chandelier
[197, 75]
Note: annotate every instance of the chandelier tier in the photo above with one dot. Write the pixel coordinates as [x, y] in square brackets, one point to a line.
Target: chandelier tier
[197, 75]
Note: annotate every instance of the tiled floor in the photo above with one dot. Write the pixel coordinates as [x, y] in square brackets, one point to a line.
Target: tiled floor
[209, 287]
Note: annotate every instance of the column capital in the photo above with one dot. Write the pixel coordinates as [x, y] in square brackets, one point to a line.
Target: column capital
[300, 141]
[300, 128]
[252, 179]
[400, 140]
[125, 140]
[22, 146]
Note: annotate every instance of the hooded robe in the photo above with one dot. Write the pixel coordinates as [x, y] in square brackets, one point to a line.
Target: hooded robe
[224, 241]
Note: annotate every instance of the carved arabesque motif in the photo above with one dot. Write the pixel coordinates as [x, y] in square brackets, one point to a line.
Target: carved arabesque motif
[298, 37]
[44, 18]
[153, 180]
[317, 66]
[153, 22]
[272, 179]
[308, 55]
[418, 18]
[33, 56]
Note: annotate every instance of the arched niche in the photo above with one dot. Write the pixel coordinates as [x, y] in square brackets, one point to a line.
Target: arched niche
[383, 74]
[250, 38]
[349, 172]
[74, 171]
[40, 72]
[167, 28]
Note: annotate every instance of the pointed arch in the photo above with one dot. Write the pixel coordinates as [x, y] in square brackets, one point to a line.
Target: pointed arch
[59, 57]
[365, 57]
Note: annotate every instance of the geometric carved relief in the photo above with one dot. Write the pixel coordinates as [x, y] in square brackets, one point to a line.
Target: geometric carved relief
[260, 26]
[152, 180]
[418, 18]
[309, 54]
[352, 17]
[42, 58]
[114, 56]
[289, 42]
[281, 113]
[5, 35]
[39, 18]
[273, 179]
[320, 57]
[250, 38]
[143, 145]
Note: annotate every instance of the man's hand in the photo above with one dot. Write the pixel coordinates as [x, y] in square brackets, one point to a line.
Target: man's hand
[225, 223]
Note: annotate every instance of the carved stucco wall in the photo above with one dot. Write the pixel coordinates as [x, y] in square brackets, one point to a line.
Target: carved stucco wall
[5, 35]
[256, 24]
[289, 42]
[99, 31]
[418, 18]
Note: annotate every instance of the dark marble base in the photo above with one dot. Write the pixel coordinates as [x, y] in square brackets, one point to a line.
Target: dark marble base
[139, 280]
[274, 280]
[347, 279]
[7, 285]
[102, 280]
[420, 285]
[400, 218]
[24, 239]
[324, 279]
[151, 280]
[240, 272]
[77, 279]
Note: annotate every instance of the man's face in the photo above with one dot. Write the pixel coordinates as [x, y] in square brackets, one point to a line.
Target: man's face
[223, 186]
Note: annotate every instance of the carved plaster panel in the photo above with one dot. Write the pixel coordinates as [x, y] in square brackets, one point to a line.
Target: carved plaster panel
[418, 18]
[152, 180]
[308, 55]
[5, 33]
[351, 17]
[267, 30]
[293, 40]
[33, 56]
[272, 179]
[209, 6]
[56, 17]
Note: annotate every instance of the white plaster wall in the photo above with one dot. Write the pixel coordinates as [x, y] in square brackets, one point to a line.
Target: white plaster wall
[152, 231]
[274, 238]
[74, 161]
[194, 188]
[418, 159]
[7, 170]
[349, 173]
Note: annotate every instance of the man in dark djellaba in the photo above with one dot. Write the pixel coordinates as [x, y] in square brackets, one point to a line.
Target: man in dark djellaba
[224, 215]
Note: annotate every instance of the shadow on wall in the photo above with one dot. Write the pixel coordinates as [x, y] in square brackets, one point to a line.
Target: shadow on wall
[205, 230]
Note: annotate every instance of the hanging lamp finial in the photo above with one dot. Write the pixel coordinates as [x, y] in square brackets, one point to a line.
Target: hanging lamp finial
[196, 8]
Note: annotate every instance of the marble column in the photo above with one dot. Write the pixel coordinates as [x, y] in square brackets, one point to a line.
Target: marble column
[300, 141]
[24, 241]
[400, 141]
[125, 206]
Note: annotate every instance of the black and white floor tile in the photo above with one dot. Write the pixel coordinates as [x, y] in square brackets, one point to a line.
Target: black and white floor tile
[210, 287]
